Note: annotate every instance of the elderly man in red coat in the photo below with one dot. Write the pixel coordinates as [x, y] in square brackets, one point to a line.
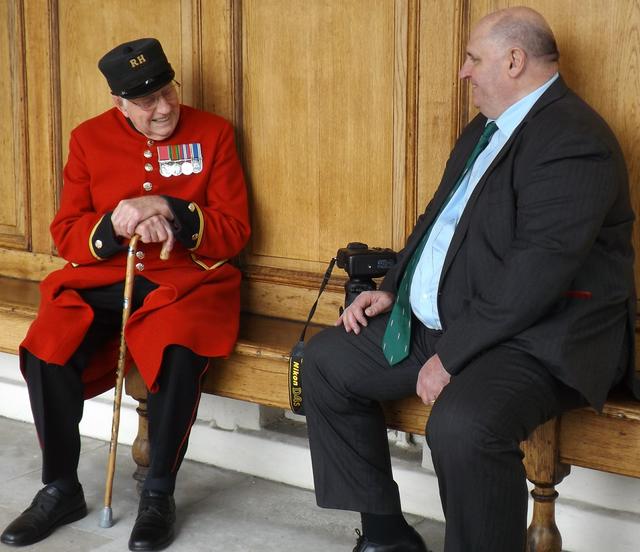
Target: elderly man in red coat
[171, 174]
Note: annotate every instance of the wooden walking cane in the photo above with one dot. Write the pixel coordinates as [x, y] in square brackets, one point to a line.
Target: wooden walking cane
[106, 517]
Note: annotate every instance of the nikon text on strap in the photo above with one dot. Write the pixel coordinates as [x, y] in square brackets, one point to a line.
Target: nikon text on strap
[296, 357]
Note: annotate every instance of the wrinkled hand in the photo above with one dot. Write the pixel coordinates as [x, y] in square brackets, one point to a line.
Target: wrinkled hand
[129, 213]
[156, 229]
[432, 379]
[366, 304]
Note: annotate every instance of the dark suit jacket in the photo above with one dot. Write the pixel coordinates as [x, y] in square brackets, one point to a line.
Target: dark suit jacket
[542, 258]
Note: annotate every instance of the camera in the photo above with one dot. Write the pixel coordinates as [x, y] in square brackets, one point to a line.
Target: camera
[362, 263]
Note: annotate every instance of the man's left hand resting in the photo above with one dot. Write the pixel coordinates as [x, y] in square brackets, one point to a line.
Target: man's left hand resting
[432, 379]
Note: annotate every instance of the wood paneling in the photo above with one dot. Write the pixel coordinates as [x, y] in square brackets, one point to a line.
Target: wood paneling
[328, 119]
[318, 89]
[44, 140]
[14, 206]
[442, 99]
[217, 90]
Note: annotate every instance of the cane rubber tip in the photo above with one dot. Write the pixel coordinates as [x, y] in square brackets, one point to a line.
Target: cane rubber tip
[106, 518]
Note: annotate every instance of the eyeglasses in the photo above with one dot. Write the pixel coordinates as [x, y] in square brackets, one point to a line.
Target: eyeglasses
[149, 103]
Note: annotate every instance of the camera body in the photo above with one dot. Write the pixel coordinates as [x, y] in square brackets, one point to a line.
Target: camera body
[362, 263]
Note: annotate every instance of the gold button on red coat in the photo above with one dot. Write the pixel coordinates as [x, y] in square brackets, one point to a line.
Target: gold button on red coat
[139, 266]
[148, 167]
[147, 186]
[140, 254]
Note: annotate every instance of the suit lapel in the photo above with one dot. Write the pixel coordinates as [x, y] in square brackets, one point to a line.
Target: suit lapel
[555, 91]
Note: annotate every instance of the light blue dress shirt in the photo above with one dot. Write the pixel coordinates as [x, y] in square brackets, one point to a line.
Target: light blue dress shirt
[424, 285]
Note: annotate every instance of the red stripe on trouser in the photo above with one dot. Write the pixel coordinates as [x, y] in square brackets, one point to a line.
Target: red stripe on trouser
[193, 416]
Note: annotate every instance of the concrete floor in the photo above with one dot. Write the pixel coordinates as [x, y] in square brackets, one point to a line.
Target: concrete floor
[217, 510]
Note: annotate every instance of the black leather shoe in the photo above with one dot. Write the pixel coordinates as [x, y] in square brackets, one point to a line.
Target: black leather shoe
[153, 529]
[412, 543]
[50, 509]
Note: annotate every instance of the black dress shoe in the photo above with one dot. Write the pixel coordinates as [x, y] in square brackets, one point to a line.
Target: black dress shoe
[153, 529]
[50, 509]
[411, 543]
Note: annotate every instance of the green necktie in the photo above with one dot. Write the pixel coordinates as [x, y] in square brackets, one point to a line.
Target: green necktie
[397, 336]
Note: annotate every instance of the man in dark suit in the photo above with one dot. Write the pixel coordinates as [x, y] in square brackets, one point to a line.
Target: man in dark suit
[511, 303]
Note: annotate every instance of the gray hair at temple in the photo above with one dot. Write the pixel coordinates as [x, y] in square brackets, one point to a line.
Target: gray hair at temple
[527, 29]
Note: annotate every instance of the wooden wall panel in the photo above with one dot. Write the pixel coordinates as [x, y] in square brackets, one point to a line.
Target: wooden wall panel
[13, 146]
[218, 57]
[43, 131]
[442, 99]
[7, 65]
[318, 83]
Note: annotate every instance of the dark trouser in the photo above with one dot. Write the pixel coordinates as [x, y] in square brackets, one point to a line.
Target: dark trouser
[474, 431]
[56, 394]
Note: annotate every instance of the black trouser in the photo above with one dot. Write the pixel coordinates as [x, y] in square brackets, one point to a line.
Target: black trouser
[56, 394]
[474, 431]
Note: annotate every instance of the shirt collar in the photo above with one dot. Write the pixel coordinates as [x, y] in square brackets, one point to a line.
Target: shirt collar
[513, 116]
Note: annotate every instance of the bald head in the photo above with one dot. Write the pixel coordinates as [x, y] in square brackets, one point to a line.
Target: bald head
[510, 54]
[524, 28]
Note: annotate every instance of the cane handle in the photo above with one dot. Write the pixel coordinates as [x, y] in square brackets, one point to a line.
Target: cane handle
[164, 252]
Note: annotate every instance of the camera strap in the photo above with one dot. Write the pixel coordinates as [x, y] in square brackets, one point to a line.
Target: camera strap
[297, 353]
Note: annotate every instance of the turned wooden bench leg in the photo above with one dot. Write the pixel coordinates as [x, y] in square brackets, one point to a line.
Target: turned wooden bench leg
[545, 471]
[136, 389]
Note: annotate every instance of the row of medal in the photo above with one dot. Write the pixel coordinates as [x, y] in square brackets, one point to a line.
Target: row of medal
[175, 160]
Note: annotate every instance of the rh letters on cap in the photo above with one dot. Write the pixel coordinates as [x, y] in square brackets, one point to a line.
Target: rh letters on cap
[137, 61]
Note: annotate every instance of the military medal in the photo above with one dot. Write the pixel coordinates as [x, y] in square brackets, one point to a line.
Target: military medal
[197, 158]
[187, 167]
[180, 159]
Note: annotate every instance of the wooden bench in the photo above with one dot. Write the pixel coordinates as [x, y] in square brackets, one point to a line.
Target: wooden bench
[257, 372]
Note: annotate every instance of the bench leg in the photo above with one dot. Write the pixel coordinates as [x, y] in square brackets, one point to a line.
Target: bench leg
[136, 389]
[543, 534]
[545, 471]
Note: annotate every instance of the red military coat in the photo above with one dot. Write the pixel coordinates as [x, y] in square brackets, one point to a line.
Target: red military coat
[195, 305]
